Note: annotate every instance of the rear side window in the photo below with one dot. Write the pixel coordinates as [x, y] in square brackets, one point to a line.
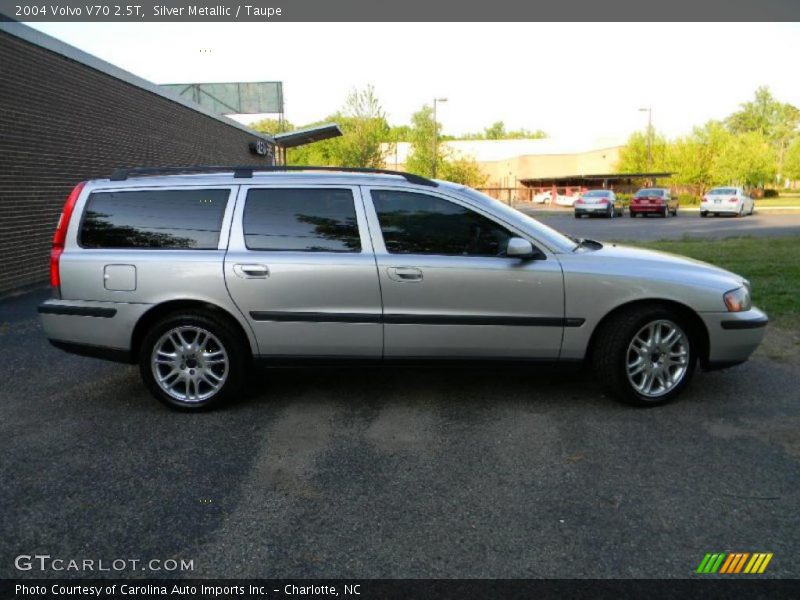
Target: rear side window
[301, 220]
[414, 223]
[156, 219]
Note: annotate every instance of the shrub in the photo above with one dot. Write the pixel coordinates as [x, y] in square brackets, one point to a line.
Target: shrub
[688, 200]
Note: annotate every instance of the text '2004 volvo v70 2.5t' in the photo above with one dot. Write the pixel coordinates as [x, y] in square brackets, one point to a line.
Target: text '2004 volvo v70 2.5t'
[197, 273]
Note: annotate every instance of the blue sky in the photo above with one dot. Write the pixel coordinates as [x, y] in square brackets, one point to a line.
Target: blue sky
[578, 82]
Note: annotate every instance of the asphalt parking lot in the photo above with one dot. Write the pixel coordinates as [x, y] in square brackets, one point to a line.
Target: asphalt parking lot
[686, 224]
[394, 472]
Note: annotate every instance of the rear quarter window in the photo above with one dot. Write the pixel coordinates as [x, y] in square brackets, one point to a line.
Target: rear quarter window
[155, 219]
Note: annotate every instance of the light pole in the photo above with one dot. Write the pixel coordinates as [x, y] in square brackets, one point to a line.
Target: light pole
[435, 135]
[649, 111]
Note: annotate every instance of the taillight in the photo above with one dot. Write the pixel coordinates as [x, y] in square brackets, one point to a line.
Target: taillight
[603, 201]
[60, 236]
[579, 201]
[733, 199]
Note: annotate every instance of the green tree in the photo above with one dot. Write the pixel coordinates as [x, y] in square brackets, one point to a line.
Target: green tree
[463, 170]
[272, 126]
[791, 165]
[497, 131]
[747, 159]
[457, 169]
[693, 157]
[776, 121]
[421, 136]
[364, 129]
[633, 156]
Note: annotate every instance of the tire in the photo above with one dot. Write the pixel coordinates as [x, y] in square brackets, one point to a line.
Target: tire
[577, 216]
[213, 382]
[632, 214]
[612, 352]
[703, 214]
[752, 209]
[665, 213]
[610, 214]
[740, 214]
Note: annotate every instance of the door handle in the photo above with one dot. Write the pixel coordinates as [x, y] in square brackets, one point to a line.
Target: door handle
[404, 273]
[251, 271]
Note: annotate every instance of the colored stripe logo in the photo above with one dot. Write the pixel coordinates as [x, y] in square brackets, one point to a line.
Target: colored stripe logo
[732, 563]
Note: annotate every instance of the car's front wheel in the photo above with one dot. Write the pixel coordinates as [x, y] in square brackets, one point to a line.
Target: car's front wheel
[645, 357]
[192, 360]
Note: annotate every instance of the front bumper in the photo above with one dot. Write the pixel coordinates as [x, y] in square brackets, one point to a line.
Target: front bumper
[733, 337]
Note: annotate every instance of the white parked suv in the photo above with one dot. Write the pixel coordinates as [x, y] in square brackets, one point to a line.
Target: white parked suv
[727, 201]
[197, 273]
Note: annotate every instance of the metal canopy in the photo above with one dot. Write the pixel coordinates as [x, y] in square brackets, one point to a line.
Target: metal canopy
[300, 137]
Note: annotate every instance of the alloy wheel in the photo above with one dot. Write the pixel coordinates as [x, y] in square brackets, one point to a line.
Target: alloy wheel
[657, 358]
[189, 363]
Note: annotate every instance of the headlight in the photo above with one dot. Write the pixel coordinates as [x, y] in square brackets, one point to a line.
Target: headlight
[737, 300]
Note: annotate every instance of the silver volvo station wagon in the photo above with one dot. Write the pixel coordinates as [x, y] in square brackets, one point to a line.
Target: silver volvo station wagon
[198, 273]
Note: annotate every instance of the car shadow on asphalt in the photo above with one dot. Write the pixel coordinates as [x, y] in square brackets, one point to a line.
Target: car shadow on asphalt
[466, 383]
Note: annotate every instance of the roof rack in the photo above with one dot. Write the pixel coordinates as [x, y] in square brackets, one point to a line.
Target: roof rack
[246, 171]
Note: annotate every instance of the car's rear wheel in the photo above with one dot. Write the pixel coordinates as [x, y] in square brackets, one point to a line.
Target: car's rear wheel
[644, 357]
[741, 211]
[703, 214]
[192, 360]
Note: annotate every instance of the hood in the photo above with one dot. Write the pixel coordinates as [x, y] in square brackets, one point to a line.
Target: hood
[654, 263]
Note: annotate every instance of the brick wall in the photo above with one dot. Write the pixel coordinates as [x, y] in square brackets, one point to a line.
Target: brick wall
[62, 122]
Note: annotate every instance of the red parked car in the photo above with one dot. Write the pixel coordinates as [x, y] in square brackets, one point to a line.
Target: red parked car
[654, 201]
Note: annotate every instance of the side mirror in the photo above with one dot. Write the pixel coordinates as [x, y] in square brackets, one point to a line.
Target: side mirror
[519, 248]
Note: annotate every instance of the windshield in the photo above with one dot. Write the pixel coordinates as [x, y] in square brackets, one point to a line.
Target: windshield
[720, 191]
[553, 238]
[596, 194]
[649, 192]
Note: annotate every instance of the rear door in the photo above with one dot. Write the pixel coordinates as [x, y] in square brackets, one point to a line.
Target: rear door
[448, 288]
[300, 267]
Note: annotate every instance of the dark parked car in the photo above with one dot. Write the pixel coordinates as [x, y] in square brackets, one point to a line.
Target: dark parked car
[654, 201]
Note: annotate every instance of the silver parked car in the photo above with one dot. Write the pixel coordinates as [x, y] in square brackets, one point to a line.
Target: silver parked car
[197, 275]
[602, 203]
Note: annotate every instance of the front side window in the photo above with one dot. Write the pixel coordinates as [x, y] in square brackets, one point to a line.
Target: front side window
[155, 219]
[414, 223]
[301, 220]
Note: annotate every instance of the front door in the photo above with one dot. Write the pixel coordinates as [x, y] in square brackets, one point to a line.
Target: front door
[448, 289]
[300, 267]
